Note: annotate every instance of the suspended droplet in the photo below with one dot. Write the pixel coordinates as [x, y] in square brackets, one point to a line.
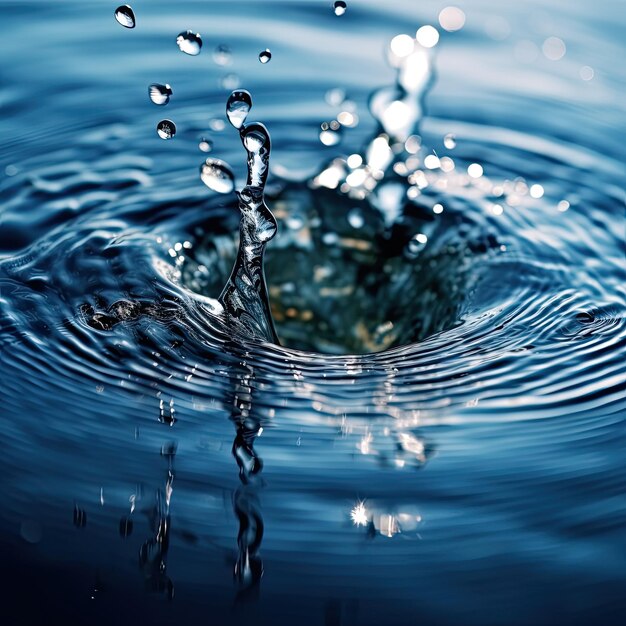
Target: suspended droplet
[125, 16]
[205, 145]
[238, 106]
[340, 7]
[159, 94]
[449, 141]
[265, 56]
[330, 133]
[189, 42]
[166, 129]
[222, 55]
[217, 175]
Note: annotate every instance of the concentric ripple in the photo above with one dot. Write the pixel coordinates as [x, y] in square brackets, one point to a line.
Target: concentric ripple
[467, 321]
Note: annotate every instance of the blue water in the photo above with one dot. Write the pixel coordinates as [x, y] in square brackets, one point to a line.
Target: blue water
[439, 439]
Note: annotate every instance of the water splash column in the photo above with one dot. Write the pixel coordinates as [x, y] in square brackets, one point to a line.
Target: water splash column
[245, 298]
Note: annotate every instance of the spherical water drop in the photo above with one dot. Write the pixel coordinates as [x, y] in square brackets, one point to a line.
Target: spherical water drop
[222, 55]
[205, 145]
[166, 129]
[189, 42]
[340, 7]
[238, 106]
[265, 56]
[449, 141]
[217, 175]
[159, 94]
[125, 16]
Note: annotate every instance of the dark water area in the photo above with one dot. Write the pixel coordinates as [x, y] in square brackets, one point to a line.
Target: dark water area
[439, 436]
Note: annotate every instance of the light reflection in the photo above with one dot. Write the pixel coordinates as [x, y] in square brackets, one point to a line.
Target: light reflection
[427, 36]
[359, 514]
[452, 19]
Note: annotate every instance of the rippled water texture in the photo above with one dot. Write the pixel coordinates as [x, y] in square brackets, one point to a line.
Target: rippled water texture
[439, 438]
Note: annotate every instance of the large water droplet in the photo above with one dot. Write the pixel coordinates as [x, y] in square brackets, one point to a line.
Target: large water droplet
[159, 94]
[166, 129]
[340, 7]
[238, 106]
[217, 175]
[265, 56]
[125, 16]
[189, 42]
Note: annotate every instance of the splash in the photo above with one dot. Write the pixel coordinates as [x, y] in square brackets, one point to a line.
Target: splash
[245, 297]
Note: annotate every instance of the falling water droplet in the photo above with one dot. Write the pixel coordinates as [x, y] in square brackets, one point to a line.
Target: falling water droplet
[222, 55]
[159, 94]
[340, 7]
[238, 106]
[217, 175]
[166, 129]
[125, 16]
[189, 42]
[205, 145]
[265, 56]
[449, 141]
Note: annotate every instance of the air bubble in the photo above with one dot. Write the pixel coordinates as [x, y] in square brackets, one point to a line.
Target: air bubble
[238, 106]
[125, 16]
[166, 129]
[189, 42]
[217, 175]
[265, 56]
[159, 94]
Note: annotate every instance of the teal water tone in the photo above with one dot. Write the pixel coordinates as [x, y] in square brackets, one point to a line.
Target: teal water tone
[439, 436]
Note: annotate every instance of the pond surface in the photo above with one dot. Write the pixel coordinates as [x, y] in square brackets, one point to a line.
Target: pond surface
[439, 438]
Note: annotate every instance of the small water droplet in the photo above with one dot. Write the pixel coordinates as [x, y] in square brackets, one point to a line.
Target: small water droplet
[238, 106]
[217, 175]
[205, 145]
[355, 218]
[159, 94]
[166, 129]
[222, 55]
[340, 7]
[449, 141]
[125, 16]
[189, 42]
[265, 56]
